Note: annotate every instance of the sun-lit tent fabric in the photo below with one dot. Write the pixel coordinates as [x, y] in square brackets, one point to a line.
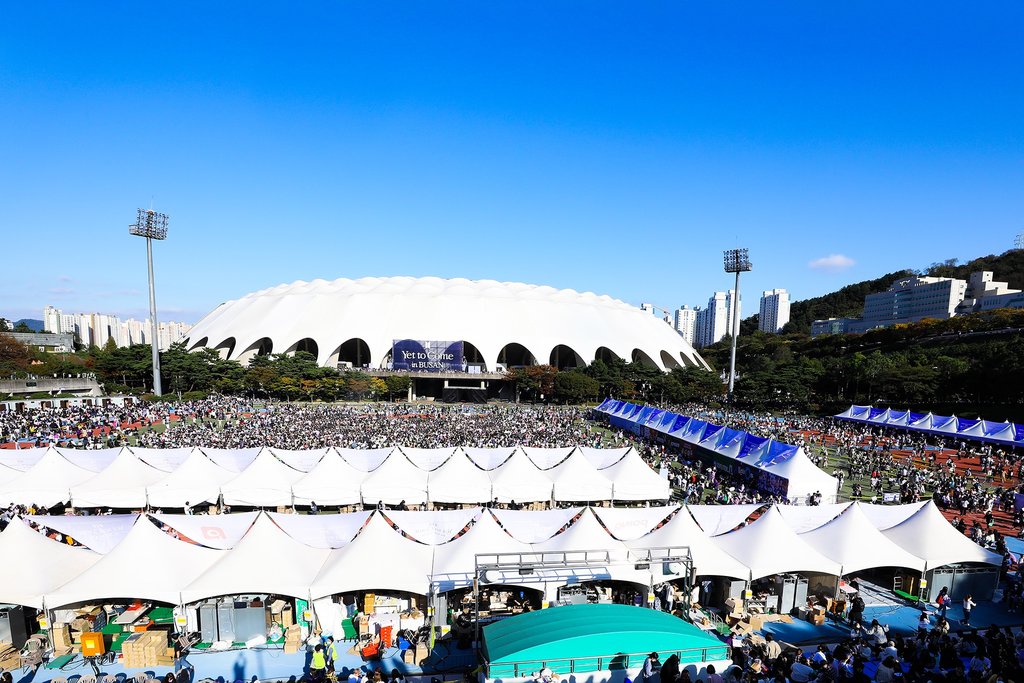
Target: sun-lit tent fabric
[454, 562]
[332, 482]
[147, 565]
[853, 541]
[21, 459]
[221, 532]
[397, 480]
[577, 480]
[489, 458]
[519, 481]
[94, 459]
[586, 534]
[266, 560]
[267, 482]
[719, 519]
[929, 536]
[546, 458]
[163, 459]
[48, 483]
[682, 532]
[459, 480]
[434, 527]
[535, 527]
[428, 459]
[35, 565]
[8, 475]
[365, 459]
[322, 531]
[98, 533]
[804, 476]
[633, 479]
[302, 460]
[604, 457]
[887, 516]
[232, 459]
[197, 480]
[629, 524]
[804, 518]
[768, 546]
[379, 558]
[122, 484]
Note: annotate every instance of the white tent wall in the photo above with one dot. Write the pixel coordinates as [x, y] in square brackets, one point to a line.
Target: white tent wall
[47, 483]
[94, 459]
[365, 459]
[853, 541]
[101, 534]
[488, 458]
[519, 481]
[633, 480]
[576, 480]
[195, 481]
[22, 459]
[163, 459]
[720, 519]
[459, 480]
[929, 536]
[629, 524]
[768, 546]
[322, 531]
[267, 482]
[435, 527]
[333, 481]
[220, 532]
[35, 565]
[535, 527]
[122, 484]
[397, 480]
[546, 458]
[428, 459]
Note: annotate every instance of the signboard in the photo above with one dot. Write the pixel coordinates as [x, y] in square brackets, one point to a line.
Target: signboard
[427, 356]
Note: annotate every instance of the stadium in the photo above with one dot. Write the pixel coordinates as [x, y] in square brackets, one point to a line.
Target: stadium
[453, 334]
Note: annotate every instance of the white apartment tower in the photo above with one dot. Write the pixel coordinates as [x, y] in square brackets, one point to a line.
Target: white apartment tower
[685, 323]
[774, 313]
[714, 322]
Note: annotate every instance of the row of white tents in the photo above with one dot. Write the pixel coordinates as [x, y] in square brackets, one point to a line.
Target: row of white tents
[131, 478]
[316, 556]
[1006, 433]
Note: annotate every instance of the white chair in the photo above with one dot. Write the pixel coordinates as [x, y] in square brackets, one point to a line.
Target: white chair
[87, 678]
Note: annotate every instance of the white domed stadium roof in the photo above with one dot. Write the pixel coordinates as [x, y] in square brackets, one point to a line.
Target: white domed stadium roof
[506, 323]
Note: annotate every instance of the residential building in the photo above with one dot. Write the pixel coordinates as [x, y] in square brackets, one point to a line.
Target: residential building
[985, 294]
[649, 308]
[95, 329]
[774, 313]
[714, 322]
[49, 342]
[51, 320]
[685, 323]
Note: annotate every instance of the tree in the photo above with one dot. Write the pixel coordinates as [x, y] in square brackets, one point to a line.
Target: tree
[398, 385]
[14, 356]
[22, 326]
[575, 387]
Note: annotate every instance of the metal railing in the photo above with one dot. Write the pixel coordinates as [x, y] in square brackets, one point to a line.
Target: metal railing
[613, 662]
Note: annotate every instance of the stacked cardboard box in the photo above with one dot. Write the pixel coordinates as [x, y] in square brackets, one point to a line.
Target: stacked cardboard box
[10, 658]
[292, 639]
[62, 643]
[145, 649]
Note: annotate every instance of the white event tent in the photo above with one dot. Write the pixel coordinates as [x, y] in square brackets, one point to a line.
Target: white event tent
[803, 518]
[455, 561]
[887, 516]
[434, 527]
[853, 541]
[768, 546]
[365, 459]
[928, 535]
[197, 480]
[708, 558]
[488, 458]
[395, 481]
[164, 459]
[221, 532]
[98, 534]
[719, 519]
[629, 524]
[332, 482]
[95, 459]
[459, 480]
[546, 458]
[535, 527]
[301, 460]
[34, 565]
[576, 480]
[519, 481]
[322, 531]
[121, 484]
[267, 482]
[604, 457]
[428, 459]
[47, 483]
[632, 479]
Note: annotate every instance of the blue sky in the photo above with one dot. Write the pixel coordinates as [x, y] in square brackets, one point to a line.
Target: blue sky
[611, 147]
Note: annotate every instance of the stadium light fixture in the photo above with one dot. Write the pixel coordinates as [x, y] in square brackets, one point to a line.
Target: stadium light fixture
[152, 226]
[736, 261]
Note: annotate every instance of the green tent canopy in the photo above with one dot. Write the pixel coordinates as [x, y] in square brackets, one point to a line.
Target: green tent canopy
[590, 638]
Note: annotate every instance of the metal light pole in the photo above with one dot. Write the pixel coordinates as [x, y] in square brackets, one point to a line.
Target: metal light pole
[736, 261]
[152, 226]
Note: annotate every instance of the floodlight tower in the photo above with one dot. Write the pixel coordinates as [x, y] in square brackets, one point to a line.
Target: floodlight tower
[152, 226]
[736, 261]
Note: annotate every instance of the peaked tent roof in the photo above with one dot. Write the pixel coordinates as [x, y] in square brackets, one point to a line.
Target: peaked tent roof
[720, 519]
[164, 459]
[804, 518]
[804, 476]
[101, 534]
[395, 481]
[454, 562]
[221, 532]
[489, 458]
[459, 480]
[122, 484]
[301, 460]
[887, 516]
[350, 568]
[322, 531]
[629, 524]
[22, 459]
[48, 483]
[768, 546]
[248, 567]
[333, 481]
[267, 482]
[35, 565]
[546, 458]
[147, 565]
[365, 459]
[586, 533]
[575, 479]
[633, 479]
[927, 534]
[519, 480]
[535, 527]
[708, 558]
[604, 457]
[92, 459]
[197, 480]
[853, 541]
[232, 459]
[435, 527]
[428, 459]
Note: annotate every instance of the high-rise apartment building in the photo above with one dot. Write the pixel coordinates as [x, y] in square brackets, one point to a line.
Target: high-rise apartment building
[95, 329]
[714, 322]
[774, 313]
[685, 323]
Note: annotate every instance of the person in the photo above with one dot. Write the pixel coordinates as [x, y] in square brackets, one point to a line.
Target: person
[318, 664]
[332, 654]
[878, 633]
[856, 615]
[313, 509]
[670, 670]
[651, 664]
[969, 604]
[714, 676]
[801, 671]
[943, 600]
[886, 671]
[923, 624]
[772, 649]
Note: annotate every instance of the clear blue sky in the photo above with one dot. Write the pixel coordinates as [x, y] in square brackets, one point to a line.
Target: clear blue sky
[611, 147]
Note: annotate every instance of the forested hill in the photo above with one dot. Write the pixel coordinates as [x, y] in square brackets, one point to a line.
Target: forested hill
[1007, 267]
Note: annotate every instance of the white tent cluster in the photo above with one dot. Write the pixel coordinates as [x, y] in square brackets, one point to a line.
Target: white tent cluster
[134, 478]
[1005, 433]
[781, 468]
[133, 556]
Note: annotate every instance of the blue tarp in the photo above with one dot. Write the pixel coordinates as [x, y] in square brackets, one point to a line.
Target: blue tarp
[1006, 433]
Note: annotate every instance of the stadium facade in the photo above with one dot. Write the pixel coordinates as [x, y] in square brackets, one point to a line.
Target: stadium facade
[470, 327]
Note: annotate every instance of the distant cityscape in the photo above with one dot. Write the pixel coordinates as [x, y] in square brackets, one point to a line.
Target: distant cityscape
[701, 327]
[95, 329]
